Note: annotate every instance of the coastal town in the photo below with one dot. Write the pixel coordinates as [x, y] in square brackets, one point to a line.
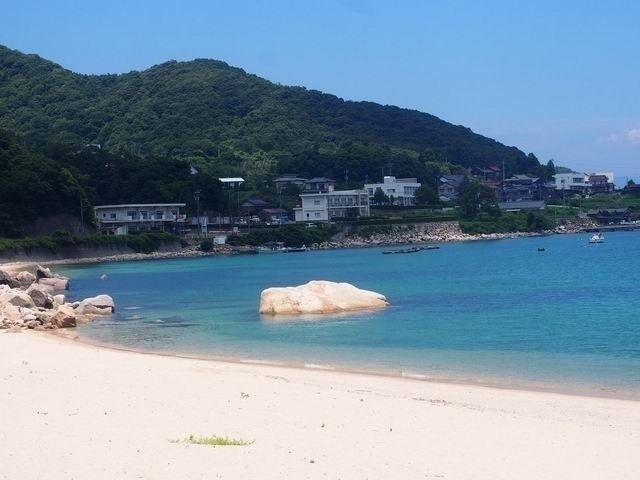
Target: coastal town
[339, 240]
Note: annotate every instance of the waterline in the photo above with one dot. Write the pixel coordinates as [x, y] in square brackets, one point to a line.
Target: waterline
[495, 312]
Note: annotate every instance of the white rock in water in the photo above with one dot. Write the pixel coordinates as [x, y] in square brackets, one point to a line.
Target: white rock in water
[318, 296]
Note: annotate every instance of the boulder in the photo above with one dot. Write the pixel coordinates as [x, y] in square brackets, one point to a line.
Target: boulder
[10, 314]
[17, 298]
[59, 299]
[99, 305]
[43, 272]
[65, 317]
[25, 278]
[318, 297]
[40, 296]
[54, 284]
[7, 279]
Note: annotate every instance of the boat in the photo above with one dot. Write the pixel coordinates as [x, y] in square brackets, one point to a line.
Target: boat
[411, 249]
[303, 248]
[271, 247]
[596, 238]
[402, 250]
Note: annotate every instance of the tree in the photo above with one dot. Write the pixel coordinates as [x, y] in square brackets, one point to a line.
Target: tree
[468, 195]
[426, 195]
[379, 197]
[488, 203]
[475, 198]
[551, 168]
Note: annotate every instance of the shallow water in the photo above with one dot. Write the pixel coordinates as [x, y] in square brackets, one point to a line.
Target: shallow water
[495, 312]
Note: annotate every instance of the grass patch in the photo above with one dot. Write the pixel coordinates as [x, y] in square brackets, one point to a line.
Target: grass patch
[214, 441]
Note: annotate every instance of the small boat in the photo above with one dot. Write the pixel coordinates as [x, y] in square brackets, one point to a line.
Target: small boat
[303, 248]
[271, 247]
[596, 238]
[402, 250]
[541, 249]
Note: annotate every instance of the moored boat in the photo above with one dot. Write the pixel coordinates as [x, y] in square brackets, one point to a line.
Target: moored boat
[596, 238]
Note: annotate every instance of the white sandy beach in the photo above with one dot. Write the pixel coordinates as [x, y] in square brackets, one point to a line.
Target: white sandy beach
[76, 411]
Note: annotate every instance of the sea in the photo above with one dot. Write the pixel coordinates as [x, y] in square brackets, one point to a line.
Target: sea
[546, 313]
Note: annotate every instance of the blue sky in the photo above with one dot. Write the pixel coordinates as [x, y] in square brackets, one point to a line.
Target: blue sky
[557, 78]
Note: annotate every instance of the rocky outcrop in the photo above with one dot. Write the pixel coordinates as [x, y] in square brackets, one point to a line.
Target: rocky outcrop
[27, 302]
[318, 297]
[100, 305]
[51, 281]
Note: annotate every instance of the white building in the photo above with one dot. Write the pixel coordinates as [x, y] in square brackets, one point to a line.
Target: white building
[323, 207]
[572, 182]
[401, 191]
[122, 219]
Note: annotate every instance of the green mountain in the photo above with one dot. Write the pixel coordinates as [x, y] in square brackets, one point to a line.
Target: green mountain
[226, 122]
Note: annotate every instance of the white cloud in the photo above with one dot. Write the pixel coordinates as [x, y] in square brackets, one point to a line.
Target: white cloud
[633, 135]
[611, 138]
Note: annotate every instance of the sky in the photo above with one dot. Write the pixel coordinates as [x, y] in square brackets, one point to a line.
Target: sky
[559, 79]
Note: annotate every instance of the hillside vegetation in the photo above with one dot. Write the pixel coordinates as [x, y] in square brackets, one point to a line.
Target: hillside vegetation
[70, 141]
[228, 122]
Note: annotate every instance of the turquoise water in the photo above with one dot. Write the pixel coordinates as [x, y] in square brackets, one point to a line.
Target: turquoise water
[494, 312]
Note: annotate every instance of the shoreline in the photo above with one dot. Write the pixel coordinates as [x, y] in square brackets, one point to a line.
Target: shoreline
[596, 391]
[105, 413]
[589, 391]
[429, 233]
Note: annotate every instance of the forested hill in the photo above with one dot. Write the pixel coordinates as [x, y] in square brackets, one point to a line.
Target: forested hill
[227, 122]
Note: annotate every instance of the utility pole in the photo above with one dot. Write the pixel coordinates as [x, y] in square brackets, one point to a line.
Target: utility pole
[81, 216]
[196, 195]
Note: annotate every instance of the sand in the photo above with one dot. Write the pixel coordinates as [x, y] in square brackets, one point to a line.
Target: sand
[74, 411]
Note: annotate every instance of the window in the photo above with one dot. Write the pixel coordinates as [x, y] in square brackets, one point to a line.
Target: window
[317, 214]
[144, 215]
[159, 214]
[112, 216]
[131, 214]
[316, 202]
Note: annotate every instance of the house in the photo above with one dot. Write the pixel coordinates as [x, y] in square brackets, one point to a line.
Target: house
[521, 188]
[253, 206]
[400, 191]
[318, 185]
[487, 174]
[326, 206]
[449, 187]
[572, 182]
[599, 183]
[273, 215]
[126, 218]
[289, 179]
[610, 216]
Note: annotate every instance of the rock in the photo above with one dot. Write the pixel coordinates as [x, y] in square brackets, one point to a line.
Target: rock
[43, 272]
[65, 317]
[26, 301]
[59, 299]
[7, 279]
[25, 278]
[99, 305]
[40, 296]
[318, 297]
[17, 298]
[10, 313]
[54, 284]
